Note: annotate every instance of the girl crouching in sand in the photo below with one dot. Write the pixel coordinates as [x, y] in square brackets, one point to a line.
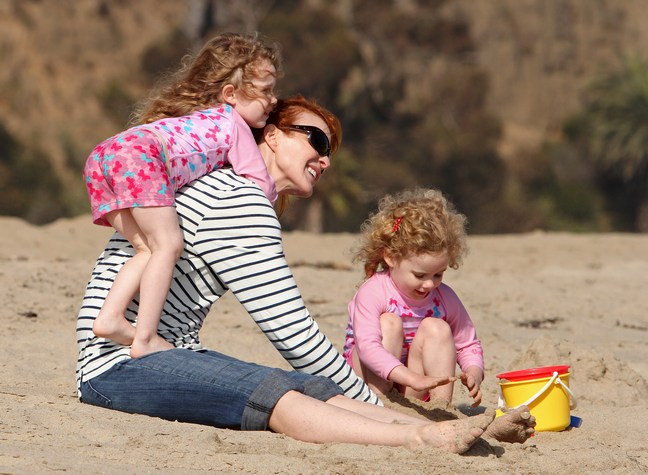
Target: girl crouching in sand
[406, 329]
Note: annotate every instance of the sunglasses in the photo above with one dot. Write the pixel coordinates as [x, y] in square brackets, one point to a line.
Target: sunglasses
[316, 137]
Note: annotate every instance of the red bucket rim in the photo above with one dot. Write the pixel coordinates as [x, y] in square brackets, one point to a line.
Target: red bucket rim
[534, 373]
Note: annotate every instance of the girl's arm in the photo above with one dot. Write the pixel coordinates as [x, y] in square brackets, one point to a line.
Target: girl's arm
[365, 311]
[245, 158]
[241, 242]
[469, 349]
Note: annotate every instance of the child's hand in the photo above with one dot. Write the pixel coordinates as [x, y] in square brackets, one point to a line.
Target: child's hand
[472, 379]
[425, 383]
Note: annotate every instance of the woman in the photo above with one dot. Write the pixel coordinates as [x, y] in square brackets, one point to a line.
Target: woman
[233, 242]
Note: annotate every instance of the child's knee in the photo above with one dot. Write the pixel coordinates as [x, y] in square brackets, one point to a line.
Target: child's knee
[177, 245]
[435, 328]
[171, 245]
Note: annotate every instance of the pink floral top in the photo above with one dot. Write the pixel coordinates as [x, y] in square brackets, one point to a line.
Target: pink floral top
[379, 295]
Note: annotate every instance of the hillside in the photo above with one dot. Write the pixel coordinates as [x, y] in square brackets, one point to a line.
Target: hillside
[67, 64]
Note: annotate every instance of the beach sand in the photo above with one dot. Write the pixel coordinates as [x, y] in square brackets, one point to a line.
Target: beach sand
[537, 299]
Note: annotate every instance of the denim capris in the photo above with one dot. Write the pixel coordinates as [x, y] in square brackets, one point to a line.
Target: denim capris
[203, 387]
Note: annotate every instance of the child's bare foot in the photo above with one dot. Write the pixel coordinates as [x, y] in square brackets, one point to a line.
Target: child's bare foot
[114, 327]
[455, 436]
[141, 347]
[515, 426]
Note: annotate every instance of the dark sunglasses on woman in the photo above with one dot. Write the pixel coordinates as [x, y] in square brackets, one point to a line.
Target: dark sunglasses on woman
[316, 137]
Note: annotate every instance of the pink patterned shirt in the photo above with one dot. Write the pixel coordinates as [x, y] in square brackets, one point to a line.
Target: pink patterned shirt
[379, 295]
[204, 141]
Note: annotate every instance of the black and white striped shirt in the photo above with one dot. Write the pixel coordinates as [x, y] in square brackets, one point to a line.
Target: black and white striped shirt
[232, 242]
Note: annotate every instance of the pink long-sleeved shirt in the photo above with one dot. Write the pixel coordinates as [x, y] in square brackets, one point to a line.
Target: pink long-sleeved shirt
[379, 295]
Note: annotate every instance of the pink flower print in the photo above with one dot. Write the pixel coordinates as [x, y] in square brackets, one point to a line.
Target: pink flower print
[99, 150]
[143, 176]
[393, 301]
[133, 188]
[429, 313]
[177, 128]
[97, 194]
[407, 314]
[98, 177]
[211, 133]
[227, 139]
[436, 301]
[115, 146]
[94, 192]
[194, 136]
[117, 166]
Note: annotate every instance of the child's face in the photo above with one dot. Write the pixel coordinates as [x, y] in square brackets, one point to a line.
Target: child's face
[255, 110]
[417, 276]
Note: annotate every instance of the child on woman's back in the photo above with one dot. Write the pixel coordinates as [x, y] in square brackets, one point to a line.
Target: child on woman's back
[406, 328]
[200, 122]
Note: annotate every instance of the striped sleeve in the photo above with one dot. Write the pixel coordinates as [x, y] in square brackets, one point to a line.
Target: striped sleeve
[239, 238]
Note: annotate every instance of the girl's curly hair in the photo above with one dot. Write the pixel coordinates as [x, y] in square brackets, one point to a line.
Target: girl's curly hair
[228, 58]
[410, 223]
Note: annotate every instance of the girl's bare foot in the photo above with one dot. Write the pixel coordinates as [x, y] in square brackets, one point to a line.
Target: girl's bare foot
[515, 426]
[141, 347]
[115, 328]
[455, 436]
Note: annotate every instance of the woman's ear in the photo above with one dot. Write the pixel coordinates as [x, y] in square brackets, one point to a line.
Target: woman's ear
[229, 94]
[271, 136]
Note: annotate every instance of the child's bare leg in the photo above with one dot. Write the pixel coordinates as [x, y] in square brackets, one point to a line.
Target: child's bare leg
[433, 353]
[391, 326]
[111, 323]
[307, 419]
[165, 240]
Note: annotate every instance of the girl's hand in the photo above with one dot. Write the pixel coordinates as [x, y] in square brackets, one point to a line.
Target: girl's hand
[425, 383]
[472, 379]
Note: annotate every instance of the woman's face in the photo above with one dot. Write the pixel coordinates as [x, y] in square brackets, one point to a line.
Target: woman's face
[297, 166]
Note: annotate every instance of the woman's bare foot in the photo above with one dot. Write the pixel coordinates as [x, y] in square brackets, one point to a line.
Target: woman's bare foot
[515, 426]
[455, 436]
[141, 347]
[115, 328]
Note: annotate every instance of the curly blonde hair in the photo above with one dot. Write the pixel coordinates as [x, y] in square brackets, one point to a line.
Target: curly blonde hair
[228, 58]
[410, 223]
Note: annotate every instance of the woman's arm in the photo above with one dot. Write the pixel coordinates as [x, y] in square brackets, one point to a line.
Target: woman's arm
[239, 238]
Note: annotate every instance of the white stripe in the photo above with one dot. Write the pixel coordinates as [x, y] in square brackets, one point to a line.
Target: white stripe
[232, 241]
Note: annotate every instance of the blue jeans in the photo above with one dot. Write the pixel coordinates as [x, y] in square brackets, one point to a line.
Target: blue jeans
[204, 387]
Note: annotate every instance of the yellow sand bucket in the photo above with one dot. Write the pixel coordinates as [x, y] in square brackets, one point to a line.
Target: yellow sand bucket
[544, 390]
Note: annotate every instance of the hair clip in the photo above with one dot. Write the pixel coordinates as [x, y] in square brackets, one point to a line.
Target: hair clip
[397, 222]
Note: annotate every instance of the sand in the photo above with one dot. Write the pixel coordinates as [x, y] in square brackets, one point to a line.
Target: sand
[537, 299]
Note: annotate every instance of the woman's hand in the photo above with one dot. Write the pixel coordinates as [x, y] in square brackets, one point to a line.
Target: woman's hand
[472, 379]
